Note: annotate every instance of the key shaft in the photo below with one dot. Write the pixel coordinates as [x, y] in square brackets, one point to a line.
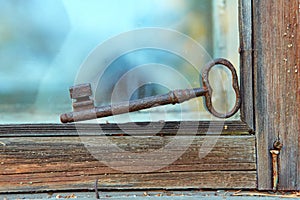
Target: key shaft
[172, 97]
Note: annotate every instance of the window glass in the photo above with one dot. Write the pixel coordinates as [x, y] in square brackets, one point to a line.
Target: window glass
[45, 45]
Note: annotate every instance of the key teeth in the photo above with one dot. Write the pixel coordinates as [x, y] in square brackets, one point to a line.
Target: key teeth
[81, 95]
[83, 105]
[80, 91]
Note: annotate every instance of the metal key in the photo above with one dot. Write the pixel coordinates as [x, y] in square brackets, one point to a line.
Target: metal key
[84, 109]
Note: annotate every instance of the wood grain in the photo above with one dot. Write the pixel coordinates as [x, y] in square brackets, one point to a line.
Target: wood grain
[138, 128]
[276, 66]
[180, 180]
[65, 163]
[246, 58]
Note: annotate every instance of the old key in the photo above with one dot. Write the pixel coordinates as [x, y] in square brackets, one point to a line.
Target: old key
[84, 109]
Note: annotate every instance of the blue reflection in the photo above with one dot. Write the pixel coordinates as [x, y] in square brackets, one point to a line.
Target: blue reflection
[43, 43]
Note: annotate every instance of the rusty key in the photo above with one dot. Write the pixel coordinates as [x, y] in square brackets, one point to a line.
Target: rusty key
[84, 109]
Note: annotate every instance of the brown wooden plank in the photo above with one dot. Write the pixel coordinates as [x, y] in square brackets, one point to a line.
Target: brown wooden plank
[62, 163]
[139, 128]
[276, 63]
[246, 69]
[172, 180]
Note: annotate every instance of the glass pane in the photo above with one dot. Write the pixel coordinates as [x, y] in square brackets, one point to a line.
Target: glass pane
[48, 46]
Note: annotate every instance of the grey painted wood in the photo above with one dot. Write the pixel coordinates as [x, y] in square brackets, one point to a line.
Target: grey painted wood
[137, 195]
[246, 65]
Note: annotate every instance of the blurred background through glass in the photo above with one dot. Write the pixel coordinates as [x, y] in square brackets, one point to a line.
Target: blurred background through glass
[43, 44]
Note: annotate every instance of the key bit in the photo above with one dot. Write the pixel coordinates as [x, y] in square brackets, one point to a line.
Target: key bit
[81, 95]
[84, 109]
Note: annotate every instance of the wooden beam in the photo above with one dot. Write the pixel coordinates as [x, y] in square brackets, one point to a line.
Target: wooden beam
[66, 163]
[138, 128]
[276, 64]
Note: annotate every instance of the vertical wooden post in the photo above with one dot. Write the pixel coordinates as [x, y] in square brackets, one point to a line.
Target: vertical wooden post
[246, 69]
[277, 96]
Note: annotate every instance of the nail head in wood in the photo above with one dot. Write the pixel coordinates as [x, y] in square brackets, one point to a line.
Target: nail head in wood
[277, 145]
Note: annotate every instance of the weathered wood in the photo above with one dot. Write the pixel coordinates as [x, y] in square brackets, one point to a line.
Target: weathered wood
[139, 128]
[276, 65]
[191, 180]
[63, 163]
[246, 69]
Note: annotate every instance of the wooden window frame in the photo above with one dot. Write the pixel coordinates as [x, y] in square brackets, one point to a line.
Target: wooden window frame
[236, 142]
[246, 77]
[257, 58]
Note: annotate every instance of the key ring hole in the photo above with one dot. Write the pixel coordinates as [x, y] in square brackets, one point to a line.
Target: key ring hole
[206, 85]
[223, 95]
